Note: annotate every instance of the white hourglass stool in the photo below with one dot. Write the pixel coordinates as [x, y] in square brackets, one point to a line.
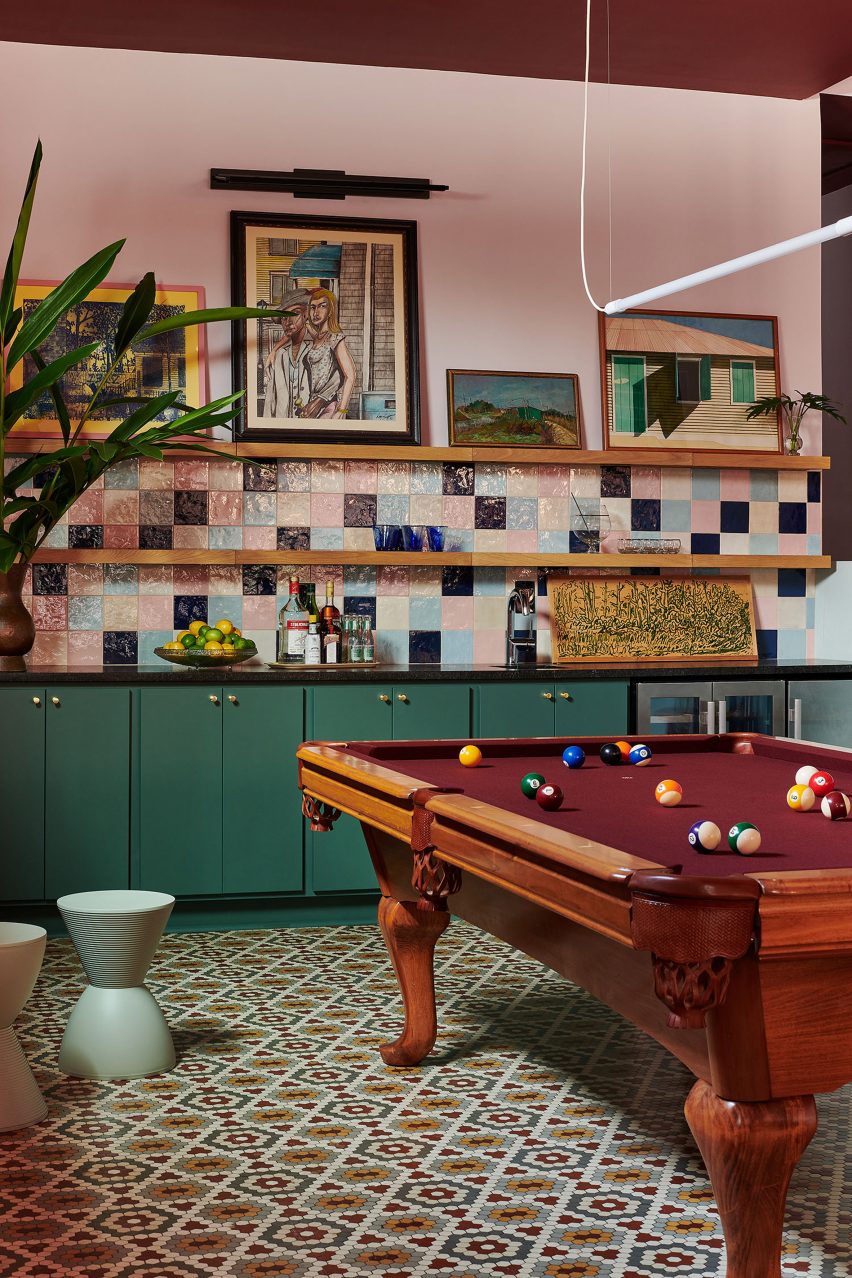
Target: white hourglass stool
[116, 1028]
[21, 952]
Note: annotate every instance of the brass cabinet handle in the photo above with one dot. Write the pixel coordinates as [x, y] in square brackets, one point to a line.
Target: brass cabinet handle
[232, 699]
[36, 701]
[56, 701]
[566, 696]
[214, 699]
[383, 696]
[548, 696]
[400, 696]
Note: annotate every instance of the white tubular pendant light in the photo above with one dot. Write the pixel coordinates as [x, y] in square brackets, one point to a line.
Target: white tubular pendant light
[808, 240]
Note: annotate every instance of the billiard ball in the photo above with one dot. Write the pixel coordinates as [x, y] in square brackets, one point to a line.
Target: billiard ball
[639, 755]
[530, 784]
[821, 783]
[669, 793]
[573, 757]
[744, 838]
[548, 796]
[835, 805]
[803, 776]
[704, 836]
[611, 754]
[470, 756]
[625, 748]
[800, 798]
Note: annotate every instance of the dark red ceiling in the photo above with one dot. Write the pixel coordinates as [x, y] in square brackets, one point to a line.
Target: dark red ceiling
[781, 48]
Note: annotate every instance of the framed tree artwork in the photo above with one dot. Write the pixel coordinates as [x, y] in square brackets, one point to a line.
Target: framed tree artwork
[674, 379]
[337, 359]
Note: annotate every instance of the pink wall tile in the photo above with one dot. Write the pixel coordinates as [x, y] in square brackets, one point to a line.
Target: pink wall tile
[458, 512]
[260, 612]
[88, 509]
[645, 481]
[190, 537]
[224, 476]
[50, 649]
[85, 579]
[734, 485]
[225, 581]
[326, 509]
[792, 544]
[121, 506]
[293, 510]
[391, 581]
[121, 536]
[554, 481]
[457, 612]
[489, 540]
[522, 541]
[810, 645]
[156, 612]
[489, 647]
[766, 612]
[156, 474]
[426, 508]
[154, 579]
[256, 538]
[191, 473]
[358, 539]
[814, 517]
[522, 481]
[553, 514]
[225, 508]
[86, 647]
[327, 477]
[190, 579]
[706, 516]
[50, 612]
[360, 477]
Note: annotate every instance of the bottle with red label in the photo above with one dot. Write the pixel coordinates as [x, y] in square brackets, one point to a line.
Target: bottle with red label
[292, 626]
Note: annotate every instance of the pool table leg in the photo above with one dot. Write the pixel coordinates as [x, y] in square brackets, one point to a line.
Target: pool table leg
[411, 930]
[751, 1149]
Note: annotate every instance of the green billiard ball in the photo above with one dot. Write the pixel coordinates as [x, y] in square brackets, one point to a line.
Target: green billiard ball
[531, 783]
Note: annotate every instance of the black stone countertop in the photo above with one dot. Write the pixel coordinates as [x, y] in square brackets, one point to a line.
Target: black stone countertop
[257, 673]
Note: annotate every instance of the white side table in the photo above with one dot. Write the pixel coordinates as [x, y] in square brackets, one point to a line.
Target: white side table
[21, 952]
[116, 1028]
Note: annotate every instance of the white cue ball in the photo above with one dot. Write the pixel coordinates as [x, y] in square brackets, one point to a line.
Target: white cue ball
[803, 776]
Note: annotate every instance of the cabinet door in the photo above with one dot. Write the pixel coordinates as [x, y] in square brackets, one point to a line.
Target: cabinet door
[750, 706]
[431, 711]
[87, 812]
[339, 860]
[821, 711]
[180, 790]
[516, 710]
[262, 815]
[22, 716]
[592, 709]
[674, 708]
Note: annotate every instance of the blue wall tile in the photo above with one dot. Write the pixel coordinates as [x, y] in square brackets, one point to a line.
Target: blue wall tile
[814, 485]
[424, 646]
[675, 516]
[225, 537]
[221, 606]
[705, 543]
[121, 648]
[705, 485]
[86, 612]
[792, 645]
[457, 647]
[147, 641]
[767, 644]
[763, 485]
[189, 608]
[392, 646]
[457, 581]
[645, 514]
[734, 517]
[121, 579]
[792, 583]
[424, 612]
[792, 517]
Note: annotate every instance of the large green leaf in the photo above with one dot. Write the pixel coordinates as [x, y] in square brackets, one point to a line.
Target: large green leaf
[60, 407]
[136, 310]
[24, 471]
[19, 401]
[146, 413]
[72, 290]
[189, 318]
[16, 252]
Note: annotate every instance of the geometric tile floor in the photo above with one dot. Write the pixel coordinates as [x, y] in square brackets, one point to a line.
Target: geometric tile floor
[544, 1139]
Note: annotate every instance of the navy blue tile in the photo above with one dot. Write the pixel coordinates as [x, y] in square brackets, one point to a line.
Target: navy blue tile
[734, 517]
[705, 544]
[792, 583]
[577, 547]
[121, 647]
[814, 485]
[424, 646]
[293, 539]
[41, 477]
[645, 514]
[363, 605]
[260, 477]
[359, 510]
[541, 588]
[489, 512]
[457, 479]
[190, 507]
[50, 579]
[259, 579]
[456, 581]
[615, 481]
[792, 517]
[152, 537]
[767, 644]
[87, 537]
[189, 608]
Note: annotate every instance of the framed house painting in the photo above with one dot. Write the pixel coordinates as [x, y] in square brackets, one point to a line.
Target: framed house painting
[522, 410]
[170, 361]
[674, 380]
[337, 359]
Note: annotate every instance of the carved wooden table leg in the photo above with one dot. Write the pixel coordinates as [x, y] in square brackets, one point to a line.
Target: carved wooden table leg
[750, 1150]
[411, 933]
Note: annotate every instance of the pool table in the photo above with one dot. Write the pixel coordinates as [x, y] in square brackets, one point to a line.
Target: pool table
[739, 965]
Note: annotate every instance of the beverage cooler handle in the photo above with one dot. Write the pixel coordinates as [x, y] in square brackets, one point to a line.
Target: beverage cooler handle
[723, 715]
[710, 718]
[796, 719]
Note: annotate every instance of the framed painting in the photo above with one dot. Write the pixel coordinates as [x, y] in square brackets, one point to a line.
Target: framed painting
[170, 361]
[513, 410]
[673, 380]
[337, 359]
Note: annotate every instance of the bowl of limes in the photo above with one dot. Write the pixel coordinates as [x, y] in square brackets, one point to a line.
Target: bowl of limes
[221, 644]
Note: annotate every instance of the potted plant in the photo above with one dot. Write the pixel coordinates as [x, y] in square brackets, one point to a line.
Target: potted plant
[792, 413]
[26, 517]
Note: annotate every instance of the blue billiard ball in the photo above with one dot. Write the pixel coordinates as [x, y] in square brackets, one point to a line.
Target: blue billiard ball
[573, 757]
[640, 755]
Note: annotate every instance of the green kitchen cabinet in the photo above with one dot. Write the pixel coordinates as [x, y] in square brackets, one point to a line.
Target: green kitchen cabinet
[87, 790]
[416, 711]
[523, 709]
[262, 810]
[22, 719]
[590, 708]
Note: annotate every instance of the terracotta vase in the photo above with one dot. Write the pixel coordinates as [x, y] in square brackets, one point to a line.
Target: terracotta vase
[17, 630]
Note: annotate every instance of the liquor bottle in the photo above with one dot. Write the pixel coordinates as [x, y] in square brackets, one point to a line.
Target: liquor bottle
[330, 627]
[313, 642]
[308, 596]
[293, 626]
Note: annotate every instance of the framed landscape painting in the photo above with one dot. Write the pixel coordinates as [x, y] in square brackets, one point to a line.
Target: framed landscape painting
[674, 380]
[337, 359]
[171, 361]
[523, 410]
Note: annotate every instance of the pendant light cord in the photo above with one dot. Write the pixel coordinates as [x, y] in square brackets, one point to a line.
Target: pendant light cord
[583, 168]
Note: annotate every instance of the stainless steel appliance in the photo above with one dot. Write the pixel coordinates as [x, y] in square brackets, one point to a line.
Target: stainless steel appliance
[718, 706]
[821, 710]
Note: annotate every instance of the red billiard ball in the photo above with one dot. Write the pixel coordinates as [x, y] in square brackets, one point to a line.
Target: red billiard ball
[822, 783]
[835, 805]
[548, 797]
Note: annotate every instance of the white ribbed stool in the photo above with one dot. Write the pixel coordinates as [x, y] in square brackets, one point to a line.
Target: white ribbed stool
[116, 1029]
[21, 953]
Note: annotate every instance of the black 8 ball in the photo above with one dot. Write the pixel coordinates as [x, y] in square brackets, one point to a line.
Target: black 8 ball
[611, 754]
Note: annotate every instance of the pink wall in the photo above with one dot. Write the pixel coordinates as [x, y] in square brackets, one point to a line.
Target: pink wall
[129, 138]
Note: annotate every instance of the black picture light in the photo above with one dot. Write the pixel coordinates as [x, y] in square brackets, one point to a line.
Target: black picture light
[322, 184]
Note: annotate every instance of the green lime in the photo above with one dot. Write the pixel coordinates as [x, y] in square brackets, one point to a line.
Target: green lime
[240, 642]
[188, 641]
[214, 633]
[200, 641]
[249, 643]
[201, 631]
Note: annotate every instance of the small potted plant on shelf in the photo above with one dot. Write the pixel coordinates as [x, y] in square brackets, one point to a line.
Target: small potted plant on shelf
[793, 412]
[27, 515]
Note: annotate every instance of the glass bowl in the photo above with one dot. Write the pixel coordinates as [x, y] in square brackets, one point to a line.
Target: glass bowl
[199, 659]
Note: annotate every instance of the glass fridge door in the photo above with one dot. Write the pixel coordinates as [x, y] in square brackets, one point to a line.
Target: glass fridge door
[674, 708]
[821, 711]
[750, 707]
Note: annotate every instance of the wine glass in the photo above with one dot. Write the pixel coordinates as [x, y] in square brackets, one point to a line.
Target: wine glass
[590, 526]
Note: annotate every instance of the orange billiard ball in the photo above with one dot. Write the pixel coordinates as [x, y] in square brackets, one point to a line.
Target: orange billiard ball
[669, 793]
[470, 756]
[625, 747]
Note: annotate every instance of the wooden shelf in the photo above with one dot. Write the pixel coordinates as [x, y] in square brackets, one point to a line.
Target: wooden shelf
[451, 558]
[504, 456]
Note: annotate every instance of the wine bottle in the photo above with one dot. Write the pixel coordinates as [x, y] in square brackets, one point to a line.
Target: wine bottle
[330, 627]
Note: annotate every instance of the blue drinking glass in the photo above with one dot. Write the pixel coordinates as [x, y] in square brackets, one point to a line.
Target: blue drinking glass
[434, 537]
[411, 537]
